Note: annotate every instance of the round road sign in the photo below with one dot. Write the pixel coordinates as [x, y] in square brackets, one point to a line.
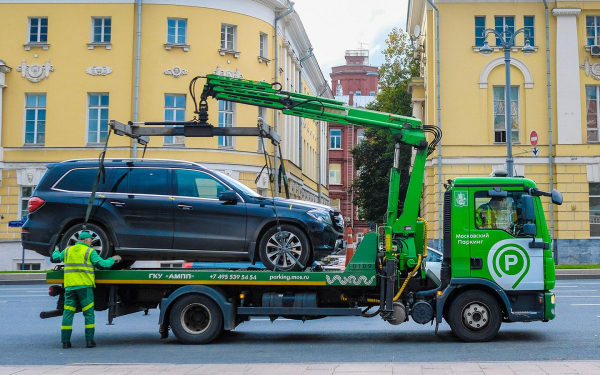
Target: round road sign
[533, 138]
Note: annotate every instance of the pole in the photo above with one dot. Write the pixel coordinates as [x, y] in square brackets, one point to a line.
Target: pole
[136, 98]
[507, 107]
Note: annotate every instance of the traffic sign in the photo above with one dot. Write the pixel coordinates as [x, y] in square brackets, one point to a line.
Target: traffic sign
[535, 151]
[533, 138]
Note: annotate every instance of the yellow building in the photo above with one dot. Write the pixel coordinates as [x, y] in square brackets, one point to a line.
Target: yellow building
[67, 67]
[555, 92]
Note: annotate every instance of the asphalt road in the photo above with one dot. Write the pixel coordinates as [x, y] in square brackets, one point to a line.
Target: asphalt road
[25, 339]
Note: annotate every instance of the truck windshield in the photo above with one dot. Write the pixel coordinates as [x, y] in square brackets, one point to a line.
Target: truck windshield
[238, 184]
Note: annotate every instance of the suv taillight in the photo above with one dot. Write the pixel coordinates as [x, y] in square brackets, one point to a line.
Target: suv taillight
[34, 204]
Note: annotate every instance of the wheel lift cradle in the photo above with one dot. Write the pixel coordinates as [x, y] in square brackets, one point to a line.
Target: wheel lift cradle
[238, 295]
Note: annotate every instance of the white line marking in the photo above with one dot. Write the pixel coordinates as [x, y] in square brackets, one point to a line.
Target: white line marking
[26, 295]
[580, 290]
[567, 286]
[585, 304]
[577, 296]
[3, 301]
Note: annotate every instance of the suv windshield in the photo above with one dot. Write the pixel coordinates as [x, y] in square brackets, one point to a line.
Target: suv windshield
[238, 184]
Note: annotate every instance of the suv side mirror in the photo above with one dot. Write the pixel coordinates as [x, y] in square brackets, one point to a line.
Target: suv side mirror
[228, 196]
[527, 208]
[557, 197]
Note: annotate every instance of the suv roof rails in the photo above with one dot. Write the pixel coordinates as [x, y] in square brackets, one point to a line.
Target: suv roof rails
[136, 159]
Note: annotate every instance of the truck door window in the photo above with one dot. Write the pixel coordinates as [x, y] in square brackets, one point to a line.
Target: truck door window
[499, 213]
[198, 185]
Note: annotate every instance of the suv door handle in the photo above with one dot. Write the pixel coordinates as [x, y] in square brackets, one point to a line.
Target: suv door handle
[185, 207]
[117, 204]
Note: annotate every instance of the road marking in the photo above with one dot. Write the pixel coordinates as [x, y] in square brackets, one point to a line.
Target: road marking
[577, 296]
[581, 290]
[585, 304]
[567, 286]
[26, 295]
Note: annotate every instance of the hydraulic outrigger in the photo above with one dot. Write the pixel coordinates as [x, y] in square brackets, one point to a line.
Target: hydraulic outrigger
[388, 274]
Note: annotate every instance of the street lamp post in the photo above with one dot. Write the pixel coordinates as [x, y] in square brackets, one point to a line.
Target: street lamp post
[506, 40]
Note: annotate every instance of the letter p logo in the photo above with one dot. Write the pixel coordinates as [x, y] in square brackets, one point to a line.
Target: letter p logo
[510, 260]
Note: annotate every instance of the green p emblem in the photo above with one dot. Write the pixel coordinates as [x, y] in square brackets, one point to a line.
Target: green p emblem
[510, 263]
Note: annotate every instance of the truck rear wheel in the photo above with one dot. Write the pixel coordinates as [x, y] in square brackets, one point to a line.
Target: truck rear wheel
[475, 316]
[196, 319]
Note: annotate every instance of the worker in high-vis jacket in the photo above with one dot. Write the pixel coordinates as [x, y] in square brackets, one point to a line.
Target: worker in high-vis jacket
[80, 260]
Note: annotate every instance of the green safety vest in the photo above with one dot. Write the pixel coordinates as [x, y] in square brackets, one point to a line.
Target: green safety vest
[79, 270]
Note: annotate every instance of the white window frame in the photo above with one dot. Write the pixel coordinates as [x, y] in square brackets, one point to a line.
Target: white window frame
[172, 140]
[263, 45]
[597, 101]
[224, 34]
[36, 125]
[360, 135]
[590, 210]
[226, 141]
[518, 114]
[504, 24]
[28, 265]
[176, 36]
[99, 107]
[39, 32]
[335, 176]
[596, 27]
[332, 137]
[23, 197]
[103, 27]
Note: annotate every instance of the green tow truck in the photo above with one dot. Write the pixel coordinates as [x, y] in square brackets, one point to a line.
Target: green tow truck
[497, 259]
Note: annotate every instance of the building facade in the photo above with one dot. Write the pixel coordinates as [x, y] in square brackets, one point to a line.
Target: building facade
[355, 83]
[554, 93]
[69, 67]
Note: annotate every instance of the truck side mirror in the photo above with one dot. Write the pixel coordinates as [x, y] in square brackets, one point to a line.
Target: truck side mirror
[529, 230]
[527, 209]
[228, 196]
[557, 197]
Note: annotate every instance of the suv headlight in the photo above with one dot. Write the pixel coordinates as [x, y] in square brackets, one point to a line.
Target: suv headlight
[320, 215]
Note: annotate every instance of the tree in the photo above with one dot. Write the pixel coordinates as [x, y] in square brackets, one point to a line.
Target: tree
[374, 157]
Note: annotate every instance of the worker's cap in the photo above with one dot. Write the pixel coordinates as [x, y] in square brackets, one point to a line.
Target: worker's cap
[85, 234]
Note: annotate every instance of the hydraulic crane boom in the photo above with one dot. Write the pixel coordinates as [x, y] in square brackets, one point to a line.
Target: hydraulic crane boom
[405, 130]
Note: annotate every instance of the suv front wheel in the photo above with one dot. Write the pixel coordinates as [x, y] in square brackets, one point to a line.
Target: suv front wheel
[285, 250]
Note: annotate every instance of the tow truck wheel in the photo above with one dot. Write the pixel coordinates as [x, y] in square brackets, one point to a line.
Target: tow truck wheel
[196, 319]
[475, 316]
[287, 250]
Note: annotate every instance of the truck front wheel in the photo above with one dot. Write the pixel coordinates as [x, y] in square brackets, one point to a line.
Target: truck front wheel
[196, 319]
[475, 316]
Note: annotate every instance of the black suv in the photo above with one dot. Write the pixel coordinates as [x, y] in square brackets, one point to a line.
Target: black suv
[165, 209]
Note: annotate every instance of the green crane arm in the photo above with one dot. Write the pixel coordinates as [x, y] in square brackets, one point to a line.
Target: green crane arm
[406, 130]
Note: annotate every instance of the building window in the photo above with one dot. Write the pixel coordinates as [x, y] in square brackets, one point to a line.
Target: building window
[262, 113]
[500, 114]
[335, 204]
[97, 118]
[335, 139]
[225, 121]
[358, 93]
[360, 135]
[176, 31]
[592, 26]
[594, 209]
[479, 29]
[263, 50]
[339, 90]
[228, 37]
[29, 266]
[101, 27]
[26, 192]
[372, 93]
[38, 30]
[335, 174]
[592, 104]
[35, 119]
[501, 22]
[529, 23]
[174, 111]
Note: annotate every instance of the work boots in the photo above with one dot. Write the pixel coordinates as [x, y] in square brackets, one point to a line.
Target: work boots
[90, 344]
[66, 345]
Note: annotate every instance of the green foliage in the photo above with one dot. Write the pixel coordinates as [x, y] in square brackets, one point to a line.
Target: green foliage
[374, 156]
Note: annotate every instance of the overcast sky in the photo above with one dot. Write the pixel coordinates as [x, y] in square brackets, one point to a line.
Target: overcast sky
[336, 26]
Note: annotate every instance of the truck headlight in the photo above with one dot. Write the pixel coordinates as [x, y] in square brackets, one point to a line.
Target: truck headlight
[320, 215]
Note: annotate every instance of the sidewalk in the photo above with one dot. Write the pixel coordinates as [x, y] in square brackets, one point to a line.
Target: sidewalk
[409, 368]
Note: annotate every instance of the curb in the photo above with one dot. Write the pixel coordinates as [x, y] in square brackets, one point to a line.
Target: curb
[22, 278]
[572, 274]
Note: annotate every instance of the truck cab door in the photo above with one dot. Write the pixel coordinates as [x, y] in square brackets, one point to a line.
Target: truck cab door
[499, 251]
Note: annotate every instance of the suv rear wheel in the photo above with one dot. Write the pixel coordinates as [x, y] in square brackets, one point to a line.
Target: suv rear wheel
[288, 250]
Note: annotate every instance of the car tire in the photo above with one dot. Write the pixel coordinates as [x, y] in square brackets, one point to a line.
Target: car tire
[296, 243]
[196, 319]
[475, 316]
[100, 242]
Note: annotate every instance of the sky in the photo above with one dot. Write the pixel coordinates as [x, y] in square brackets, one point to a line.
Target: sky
[336, 26]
